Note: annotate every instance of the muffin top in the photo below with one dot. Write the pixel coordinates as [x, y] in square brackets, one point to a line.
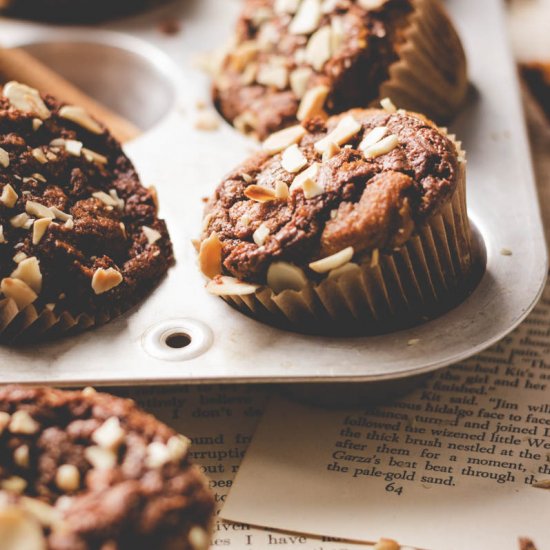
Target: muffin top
[292, 59]
[361, 181]
[84, 470]
[78, 231]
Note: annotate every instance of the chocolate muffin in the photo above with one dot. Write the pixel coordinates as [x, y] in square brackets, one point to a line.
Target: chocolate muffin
[80, 470]
[343, 224]
[80, 240]
[292, 59]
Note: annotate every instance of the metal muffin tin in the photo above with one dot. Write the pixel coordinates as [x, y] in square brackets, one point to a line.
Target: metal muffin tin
[150, 78]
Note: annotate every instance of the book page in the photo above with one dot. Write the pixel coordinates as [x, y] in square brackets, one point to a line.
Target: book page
[462, 462]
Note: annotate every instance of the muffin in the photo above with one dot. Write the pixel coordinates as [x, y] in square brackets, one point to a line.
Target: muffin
[80, 470]
[353, 225]
[292, 59]
[80, 240]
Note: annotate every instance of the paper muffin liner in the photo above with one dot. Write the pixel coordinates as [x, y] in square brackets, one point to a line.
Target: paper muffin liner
[430, 75]
[383, 291]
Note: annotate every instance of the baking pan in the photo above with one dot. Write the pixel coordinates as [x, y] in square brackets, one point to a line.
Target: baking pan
[150, 78]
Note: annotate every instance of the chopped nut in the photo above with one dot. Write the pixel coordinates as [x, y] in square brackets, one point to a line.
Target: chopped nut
[39, 155]
[39, 229]
[292, 159]
[88, 391]
[69, 224]
[100, 458]
[281, 190]
[110, 434]
[13, 484]
[178, 445]
[373, 137]
[198, 538]
[152, 235]
[386, 544]
[39, 210]
[157, 455]
[227, 286]
[260, 193]
[312, 102]
[36, 123]
[2, 238]
[119, 203]
[312, 189]
[242, 55]
[261, 234]
[9, 196]
[92, 156]
[282, 139]
[105, 198]
[21, 456]
[246, 122]
[23, 423]
[309, 173]
[28, 223]
[344, 131]
[4, 158]
[21, 293]
[210, 256]
[26, 99]
[59, 214]
[248, 76]
[20, 220]
[104, 280]
[80, 116]
[299, 79]
[307, 17]
[284, 276]
[384, 146]
[207, 121]
[28, 271]
[318, 49]
[272, 75]
[332, 262]
[73, 147]
[330, 151]
[67, 478]
[247, 177]
[387, 104]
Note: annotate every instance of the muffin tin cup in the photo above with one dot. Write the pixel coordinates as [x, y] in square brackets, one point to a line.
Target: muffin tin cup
[382, 292]
[430, 75]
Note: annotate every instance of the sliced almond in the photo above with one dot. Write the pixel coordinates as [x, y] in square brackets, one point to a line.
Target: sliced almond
[260, 193]
[39, 155]
[261, 234]
[104, 280]
[44, 513]
[4, 158]
[318, 49]
[274, 75]
[299, 79]
[157, 455]
[388, 106]
[284, 276]
[100, 458]
[19, 257]
[281, 190]
[384, 146]
[246, 122]
[152, 235]
[307, 17]
[292, 159]
[9, 196]
[26, 99]
[110, 434]
[332, 262]
[344, 131]
[312, 188]
[331, 151]
[92, 156]
[242, 55]
[248, 76]
[20, 220]
[282, 139]
[28, 271]
[73, 147]
[59, 214]
[309, 173]
[312, 103]
[2, 238]
[39, 229]
[227, 286]
[210, 256]
[80, 116]
[38, 210]
[373, 137]
[105, 198]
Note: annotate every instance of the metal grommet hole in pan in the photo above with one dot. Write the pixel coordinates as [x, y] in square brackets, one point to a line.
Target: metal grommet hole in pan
[177, 339]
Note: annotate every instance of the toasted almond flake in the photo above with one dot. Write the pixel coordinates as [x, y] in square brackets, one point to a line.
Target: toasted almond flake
[28, 271]
[299, 79]
[286, 6]
[344, 131]
[261, 234]
[39, 155]
[39, 210]
[36, 124]
[152, 235]
[9, 196]
[388, 106]
[100, 458]
[282, 139]
[29, 223]
[284, 276]
[281, 190]
[23, 423]
[2, 238]
[80, 116]
[73, 147]
[309, 173]
[331, 151]
[312, 103]
[92, 156]
[104, 280]
[384, 146]
[207, 121]
[312, 188]
[307, 17]
[318, 49]
[26, 99]
[274, 75]
[67, 478]
[178, 445]
[157, 455]
[332, 262]
[198, 538]
[375, 257]
[19, 257]
[105, 198]
[385, 544]
[21, 456]
[59, 214]
[210, 256]
[39, 229]
[110, 434]
[119, 203]
[292, 159]
[260, 193]
[20, 220]
[4, 158]
[69, 224]
[373, 137]
[227, 286]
